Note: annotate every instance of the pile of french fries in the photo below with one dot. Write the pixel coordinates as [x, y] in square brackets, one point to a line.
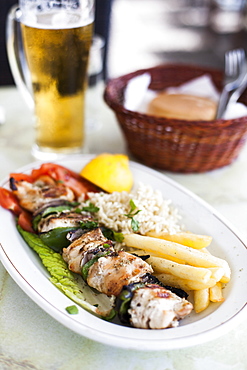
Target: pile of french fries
[183, 261]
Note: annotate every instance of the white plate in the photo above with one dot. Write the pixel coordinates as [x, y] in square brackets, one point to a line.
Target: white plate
[25, 268]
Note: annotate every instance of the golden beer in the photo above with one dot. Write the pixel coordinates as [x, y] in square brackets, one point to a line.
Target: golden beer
[57, 59]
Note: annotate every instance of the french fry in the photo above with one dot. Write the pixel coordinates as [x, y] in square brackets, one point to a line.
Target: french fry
[224, 278]
[217, 273]
[175, 281]
[189, 267]
[186, 238]
[141, 252]
[201, 300]
[215, 293]
[205, 250]
[189, 255]
[162, 265]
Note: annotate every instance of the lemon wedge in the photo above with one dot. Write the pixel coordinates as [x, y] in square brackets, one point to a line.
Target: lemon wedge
[110, 172]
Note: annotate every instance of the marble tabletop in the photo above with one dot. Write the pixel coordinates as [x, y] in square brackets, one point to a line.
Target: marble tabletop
[31, 339]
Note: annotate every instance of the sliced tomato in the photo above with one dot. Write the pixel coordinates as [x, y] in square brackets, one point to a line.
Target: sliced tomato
[25, 221]
[21, 177]
[9, 201]
[55, 171]
[69, 178]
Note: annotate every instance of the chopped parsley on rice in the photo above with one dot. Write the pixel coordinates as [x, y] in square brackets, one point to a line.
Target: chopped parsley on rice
[156, 213]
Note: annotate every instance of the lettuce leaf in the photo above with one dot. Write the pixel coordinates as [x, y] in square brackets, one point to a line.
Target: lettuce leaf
[72, 285]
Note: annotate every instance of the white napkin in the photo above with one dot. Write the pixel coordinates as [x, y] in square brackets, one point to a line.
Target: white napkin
[136, 93]
[201, 86]
[138, 96]
[235, 110]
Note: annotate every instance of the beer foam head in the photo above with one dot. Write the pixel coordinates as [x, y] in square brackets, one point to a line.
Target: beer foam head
[57, 18]
[63, 19]
[29, 18]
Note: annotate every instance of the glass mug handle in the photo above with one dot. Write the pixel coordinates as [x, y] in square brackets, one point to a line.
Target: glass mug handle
[16, 56]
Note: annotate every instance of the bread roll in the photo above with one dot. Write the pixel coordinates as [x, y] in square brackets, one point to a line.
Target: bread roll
[181, 106]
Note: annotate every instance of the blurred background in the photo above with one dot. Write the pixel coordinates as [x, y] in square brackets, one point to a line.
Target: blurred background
[144, 33]
[149, 32]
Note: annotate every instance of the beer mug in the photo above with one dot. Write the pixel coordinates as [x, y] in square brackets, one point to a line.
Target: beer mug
[48, 45]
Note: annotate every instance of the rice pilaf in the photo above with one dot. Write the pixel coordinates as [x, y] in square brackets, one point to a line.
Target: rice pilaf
[156, 213]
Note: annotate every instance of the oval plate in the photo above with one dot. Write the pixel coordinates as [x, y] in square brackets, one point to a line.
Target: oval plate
[26, 269]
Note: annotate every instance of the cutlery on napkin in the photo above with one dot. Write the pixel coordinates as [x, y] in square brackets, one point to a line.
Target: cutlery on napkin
[235, 72]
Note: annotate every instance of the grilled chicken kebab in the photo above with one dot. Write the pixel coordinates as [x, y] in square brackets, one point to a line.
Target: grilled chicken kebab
[141, 298]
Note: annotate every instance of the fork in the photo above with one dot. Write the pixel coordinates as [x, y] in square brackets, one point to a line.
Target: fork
[234, 75]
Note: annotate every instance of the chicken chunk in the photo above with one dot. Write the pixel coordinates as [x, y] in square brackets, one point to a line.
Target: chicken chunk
[76, 253]
[33, 196]
[109, 274]
[71, 219]
[154, 307]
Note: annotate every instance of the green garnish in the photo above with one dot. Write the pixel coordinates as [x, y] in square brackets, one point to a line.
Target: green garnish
[132, 209]
[105, 245]
[112, 235]
[77, 210]
[88, 224]
[90, 208]
[118, 237]
[133, 212]
[72, 310]
[134, 225]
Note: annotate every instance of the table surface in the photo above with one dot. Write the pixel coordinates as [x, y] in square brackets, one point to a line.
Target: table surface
[31, 339]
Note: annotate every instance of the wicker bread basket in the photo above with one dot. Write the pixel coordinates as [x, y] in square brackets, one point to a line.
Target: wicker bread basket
[171, 144]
